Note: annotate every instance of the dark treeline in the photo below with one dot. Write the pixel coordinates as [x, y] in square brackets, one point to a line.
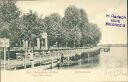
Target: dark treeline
[72, 30]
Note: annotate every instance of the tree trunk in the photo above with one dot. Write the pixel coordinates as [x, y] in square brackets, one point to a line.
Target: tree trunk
[66, 44]
[74, 43]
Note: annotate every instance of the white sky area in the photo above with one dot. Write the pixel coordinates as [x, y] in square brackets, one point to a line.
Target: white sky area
[95, 9]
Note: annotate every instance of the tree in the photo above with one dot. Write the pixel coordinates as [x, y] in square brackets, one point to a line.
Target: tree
[75, 37]
[9, 20]
[51, 23]
[91, 35]
[84, 20]
[72, 17]
[79, 31]
[71, 22]
[30, 29]
[95, 34]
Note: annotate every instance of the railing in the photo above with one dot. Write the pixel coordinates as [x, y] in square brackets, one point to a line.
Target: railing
[52, 56]
[51, 48]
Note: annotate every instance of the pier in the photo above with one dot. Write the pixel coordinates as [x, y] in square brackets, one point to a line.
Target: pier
[52, 58]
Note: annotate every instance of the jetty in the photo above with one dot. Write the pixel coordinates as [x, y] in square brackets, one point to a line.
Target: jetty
[52, 58]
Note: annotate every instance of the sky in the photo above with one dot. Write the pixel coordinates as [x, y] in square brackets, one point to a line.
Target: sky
[95, 9]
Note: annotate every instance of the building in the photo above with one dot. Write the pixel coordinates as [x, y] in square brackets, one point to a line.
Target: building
[41, 42]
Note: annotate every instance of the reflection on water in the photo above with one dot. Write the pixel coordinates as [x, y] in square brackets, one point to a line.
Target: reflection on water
[116, 58]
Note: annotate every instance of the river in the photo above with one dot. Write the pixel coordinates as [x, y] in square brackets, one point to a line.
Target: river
[116, 58]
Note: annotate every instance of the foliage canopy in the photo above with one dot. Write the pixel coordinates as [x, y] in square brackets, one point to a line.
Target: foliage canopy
[72, 30]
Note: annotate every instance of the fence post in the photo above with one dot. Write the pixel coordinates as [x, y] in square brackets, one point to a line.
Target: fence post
[51, 64]
[80, 61]
[25, 62]
[88, 59]
[32, 63]
[4, 58]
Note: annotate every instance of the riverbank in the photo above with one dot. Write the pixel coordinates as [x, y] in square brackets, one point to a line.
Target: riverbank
[54, 57]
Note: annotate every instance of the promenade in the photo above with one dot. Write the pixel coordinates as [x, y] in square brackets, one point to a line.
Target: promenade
[50, 59]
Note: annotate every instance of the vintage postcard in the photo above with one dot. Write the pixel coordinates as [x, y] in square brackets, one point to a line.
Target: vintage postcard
[63, 41]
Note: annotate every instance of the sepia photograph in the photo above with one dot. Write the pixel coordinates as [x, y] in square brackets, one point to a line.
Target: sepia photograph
[63, 40]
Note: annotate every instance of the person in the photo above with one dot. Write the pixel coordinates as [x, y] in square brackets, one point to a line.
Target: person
[31, 55]
[25, 56]
[31, 58]
[62, 58]
[58, 63]
[108, 48]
